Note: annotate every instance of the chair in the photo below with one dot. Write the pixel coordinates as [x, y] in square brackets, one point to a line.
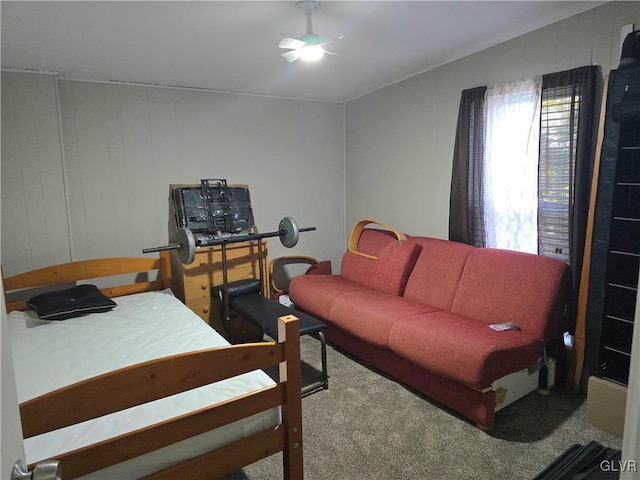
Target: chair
[283, 269]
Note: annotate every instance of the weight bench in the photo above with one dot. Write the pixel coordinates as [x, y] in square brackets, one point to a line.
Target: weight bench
[245, 298]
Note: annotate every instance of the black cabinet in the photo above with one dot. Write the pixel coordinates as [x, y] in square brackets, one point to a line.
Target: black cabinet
[615, 259]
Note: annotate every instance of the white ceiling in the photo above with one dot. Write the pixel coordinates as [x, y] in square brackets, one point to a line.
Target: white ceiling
[233, 46]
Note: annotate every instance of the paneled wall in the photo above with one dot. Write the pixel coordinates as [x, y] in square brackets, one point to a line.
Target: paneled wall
[399, 140]
[386, 155]
[124, 145]
[34, 215]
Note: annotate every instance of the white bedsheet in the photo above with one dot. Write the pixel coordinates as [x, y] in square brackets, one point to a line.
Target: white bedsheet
[51, 354]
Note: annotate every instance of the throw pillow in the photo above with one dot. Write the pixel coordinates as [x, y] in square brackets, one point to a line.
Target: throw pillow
[72, 302]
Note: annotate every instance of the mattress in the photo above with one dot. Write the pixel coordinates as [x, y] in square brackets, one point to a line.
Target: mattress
[52, 354]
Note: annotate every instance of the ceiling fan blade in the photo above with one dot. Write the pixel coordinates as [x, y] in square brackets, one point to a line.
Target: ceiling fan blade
[291, 43]
[332, 41]
[291, 55]
[330, 53]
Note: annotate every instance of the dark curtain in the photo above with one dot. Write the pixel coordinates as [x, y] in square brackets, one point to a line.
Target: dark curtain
[575, 92]
[466, 218]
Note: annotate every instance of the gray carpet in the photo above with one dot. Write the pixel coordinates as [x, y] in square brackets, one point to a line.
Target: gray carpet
[368, 427]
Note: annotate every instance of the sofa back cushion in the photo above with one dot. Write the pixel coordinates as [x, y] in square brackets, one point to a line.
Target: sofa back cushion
[435, 277]
[373, 240]
[389, 271]
[499, 286]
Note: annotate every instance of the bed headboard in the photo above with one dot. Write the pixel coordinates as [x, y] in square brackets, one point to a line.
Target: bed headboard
[70, 273]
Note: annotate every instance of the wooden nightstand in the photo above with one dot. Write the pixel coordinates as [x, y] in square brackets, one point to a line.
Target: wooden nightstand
[193, 283]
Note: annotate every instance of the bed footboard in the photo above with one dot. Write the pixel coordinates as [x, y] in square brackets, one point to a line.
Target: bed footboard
[160, 378]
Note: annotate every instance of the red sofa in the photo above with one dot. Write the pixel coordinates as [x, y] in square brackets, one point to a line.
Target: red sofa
[420, 309]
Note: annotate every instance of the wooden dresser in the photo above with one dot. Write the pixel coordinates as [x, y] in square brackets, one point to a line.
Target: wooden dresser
[193, 283]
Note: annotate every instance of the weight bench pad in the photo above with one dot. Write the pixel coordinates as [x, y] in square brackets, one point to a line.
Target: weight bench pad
[238, 288]
[246, 300]
[265, 313]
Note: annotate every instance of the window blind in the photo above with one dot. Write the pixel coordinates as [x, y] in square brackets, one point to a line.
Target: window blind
[556, 171]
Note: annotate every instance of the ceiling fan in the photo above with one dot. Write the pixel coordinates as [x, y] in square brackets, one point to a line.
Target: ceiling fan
[309, 47]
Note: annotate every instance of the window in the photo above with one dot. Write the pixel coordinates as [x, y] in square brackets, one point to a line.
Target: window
[525, 185]
[512, 130]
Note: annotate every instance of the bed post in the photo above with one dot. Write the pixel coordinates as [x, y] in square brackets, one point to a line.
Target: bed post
[290, 373]
[165, 265]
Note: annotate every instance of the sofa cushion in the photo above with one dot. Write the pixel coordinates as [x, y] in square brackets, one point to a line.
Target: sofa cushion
[437, 271]
[499, 286]
[369, 315]
[462, 348]
[315, 293]
[373, 240]
[388, 273]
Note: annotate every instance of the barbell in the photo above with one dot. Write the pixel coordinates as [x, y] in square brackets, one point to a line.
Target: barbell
[288, 232]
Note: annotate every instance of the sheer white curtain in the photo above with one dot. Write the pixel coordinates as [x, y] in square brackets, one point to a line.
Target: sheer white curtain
[512, 132]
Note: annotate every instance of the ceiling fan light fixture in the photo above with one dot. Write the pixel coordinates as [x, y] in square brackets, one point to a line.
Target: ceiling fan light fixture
[311, 53]
[310, 47]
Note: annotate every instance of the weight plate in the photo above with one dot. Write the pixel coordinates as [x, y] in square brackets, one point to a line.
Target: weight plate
[289, 232]
[187, 244]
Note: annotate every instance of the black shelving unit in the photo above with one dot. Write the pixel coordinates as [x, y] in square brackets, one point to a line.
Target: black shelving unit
[615, 257]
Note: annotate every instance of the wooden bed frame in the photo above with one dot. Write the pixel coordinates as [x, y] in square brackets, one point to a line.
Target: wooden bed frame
[160, 378]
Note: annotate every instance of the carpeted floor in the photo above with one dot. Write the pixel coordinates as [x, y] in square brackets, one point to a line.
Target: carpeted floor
[368, 427]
